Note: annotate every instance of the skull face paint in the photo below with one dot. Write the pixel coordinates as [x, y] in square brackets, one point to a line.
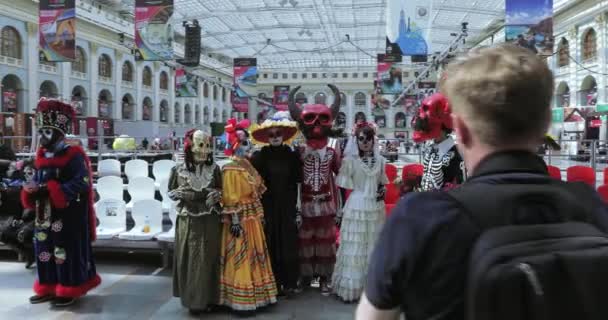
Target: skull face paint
[201, 146]
[365, 141]
[28, 173]
[275, 137]
[244, 145]
[49, 137]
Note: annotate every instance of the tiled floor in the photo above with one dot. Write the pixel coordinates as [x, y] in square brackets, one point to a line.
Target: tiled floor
[137, 289]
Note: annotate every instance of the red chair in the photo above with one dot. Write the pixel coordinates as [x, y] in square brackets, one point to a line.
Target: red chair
[392, 192]
[415, 169]
[603, 191]
[581, 174]
[606, 175]
[555, 172]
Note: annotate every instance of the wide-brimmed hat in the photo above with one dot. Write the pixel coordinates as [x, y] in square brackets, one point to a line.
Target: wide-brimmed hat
[260, 132]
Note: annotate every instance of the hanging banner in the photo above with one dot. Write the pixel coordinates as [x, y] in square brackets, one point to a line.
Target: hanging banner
[529, 24]
[281, 97]
[407, 26]
[57, 30]
[153, 30]
[390, 79]
[245, 79]
[186, 85]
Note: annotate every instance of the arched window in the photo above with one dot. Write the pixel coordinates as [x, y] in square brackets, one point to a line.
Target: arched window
[400, 120]
[10, 45]
[206, 115]
[127, 107]
[127, 71]
[80, 62]
[104, 104]
[214, 93]
[589, 45]
[223, 94]
[342, 99]
[177, 110]
[563, 53]
[164, 111]
[42, 59]
[216, 115]
[164, 81]
[187, 114]
[320, 98]
[224, 116]
[205, 90]
[147, 109]
[147, 77]
[197, 114]
[360, 100]
[301, 98]
[105, 66]
[588, 92]
[562, 95]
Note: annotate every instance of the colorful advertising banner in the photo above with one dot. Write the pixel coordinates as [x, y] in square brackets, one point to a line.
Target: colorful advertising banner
[529, 24]
[245, 79]
[57, 30]
[153, 30]
[407, 25]
[281, 97]
[390, 79]
[186, 85]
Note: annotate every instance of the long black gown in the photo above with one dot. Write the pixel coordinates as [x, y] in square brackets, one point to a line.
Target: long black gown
[280, 167]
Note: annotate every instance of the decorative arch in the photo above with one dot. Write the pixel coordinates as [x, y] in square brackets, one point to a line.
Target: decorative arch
[104, 104]
[206, 115]
[128, 107]
[301, 98]
[589, 45]
[104, 66]
[127, 71]
[164, 111]
[12, 94]
[79, 100]
[10, 43]
[147, 109]
[48, 89]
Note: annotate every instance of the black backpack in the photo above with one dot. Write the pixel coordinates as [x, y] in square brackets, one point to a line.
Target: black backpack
[540, 253]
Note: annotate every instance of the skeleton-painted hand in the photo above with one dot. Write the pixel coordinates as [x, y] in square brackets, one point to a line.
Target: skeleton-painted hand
[236, 229]
[381, 193]
[175, 195]
[213, 197]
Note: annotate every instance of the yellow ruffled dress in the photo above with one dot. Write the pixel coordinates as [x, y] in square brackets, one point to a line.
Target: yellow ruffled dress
[247, 281]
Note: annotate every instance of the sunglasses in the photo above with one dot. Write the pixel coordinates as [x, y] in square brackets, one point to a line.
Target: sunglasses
[364, 139]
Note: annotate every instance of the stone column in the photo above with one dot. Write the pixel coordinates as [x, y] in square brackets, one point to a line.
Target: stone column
[117, 103]
[139, 96]
[156, 89]
[93, 65]
[171, 114]
[350, 116]
[573, 42]
[30, 97]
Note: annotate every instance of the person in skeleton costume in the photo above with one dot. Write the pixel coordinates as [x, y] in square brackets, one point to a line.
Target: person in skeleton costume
[196, 186]
[281, 169]
[61, 194]
[443, 165]
[362, 171]
[247, 281]
[319, 195]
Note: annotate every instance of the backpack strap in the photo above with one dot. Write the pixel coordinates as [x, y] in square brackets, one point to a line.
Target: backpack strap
[491, 201]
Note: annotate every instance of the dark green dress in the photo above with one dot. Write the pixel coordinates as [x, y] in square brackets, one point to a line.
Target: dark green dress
[196, 262]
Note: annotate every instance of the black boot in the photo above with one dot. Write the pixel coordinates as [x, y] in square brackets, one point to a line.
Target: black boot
[40, 299]
[63, 302]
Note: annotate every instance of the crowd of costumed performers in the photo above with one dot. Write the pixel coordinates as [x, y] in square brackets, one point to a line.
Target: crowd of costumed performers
[61, 197]
[443, 165]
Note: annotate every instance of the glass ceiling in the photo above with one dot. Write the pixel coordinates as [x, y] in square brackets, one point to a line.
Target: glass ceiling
[311, 34]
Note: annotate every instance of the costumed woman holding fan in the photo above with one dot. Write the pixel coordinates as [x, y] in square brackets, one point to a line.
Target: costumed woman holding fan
[247, 281]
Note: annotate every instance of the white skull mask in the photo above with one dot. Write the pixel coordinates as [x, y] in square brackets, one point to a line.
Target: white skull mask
[201, 146]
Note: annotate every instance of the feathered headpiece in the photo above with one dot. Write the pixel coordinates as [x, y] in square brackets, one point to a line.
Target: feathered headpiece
[230, 136]
[55, 114]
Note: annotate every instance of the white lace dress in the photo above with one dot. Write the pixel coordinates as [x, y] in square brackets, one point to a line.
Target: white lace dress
[361, 222]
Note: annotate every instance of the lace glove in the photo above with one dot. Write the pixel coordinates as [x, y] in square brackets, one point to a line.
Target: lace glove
[298, 219]
[381, 193]
[175, 195]
[213, 197]
[235, 227]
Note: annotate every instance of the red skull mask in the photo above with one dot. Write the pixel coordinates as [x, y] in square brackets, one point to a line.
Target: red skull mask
[434, 115]
[315, 120]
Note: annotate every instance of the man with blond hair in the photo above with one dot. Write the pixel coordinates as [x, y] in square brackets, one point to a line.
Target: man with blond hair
[500, 99]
